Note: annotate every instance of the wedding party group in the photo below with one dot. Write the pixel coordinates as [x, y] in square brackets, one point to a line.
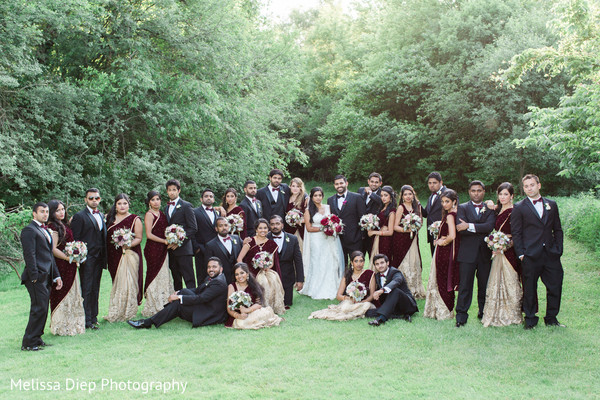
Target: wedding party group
[241, 259]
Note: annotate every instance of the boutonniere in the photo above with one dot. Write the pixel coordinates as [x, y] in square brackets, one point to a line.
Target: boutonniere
[287, 239]
[482, 210]
[234, 241]
[547, 206]
[178, 206]
[344, 202]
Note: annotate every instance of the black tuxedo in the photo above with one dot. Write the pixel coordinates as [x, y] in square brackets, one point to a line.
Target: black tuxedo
[251, 214]
[40, 267]
[433, 213]
[180, 259]
[270, 207]
[205, 233]
[540, 241]
[474, 257]
[204, 305]
[399, 301]
[215, 248]
[290, 263]
[373, 207]
[85, 229]
[350, 214]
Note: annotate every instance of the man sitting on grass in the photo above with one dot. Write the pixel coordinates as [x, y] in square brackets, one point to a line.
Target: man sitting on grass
[204, 305]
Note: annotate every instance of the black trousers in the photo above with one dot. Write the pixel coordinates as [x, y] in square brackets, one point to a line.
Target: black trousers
[549, 268]
[90, 273]
[182, 267]
[395, 302]
[171, 311]
[367, 245]
[430, 239]
[288, 279]
[39, 294]
[348, 248]
[468, 271]
[201, 273]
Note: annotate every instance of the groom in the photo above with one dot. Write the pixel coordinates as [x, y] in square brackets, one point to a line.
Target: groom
[290, 259]
[538, 242]
[350, 207]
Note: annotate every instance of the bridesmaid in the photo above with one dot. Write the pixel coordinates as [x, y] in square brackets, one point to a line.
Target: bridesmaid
[504, 294]
[407, 256]
[158, 284]
[256, 316]
[270, 278]
[298, 200]
[67, 317]
[443, 277]
[230, 206]
[124, 264]
[387, 216]
[349, 309]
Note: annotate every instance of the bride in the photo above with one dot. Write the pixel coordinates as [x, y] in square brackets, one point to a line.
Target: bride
[322, 255]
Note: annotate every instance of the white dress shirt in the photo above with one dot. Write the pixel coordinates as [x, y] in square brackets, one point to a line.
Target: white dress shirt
[279, 240]
[96, 217]
[539, 207]
[227, 243]
[253, 203]
[48, 237]
[382, 282]
[275, 193]
[211, 214]
[341, 200]
[478, 210]
[172, 207]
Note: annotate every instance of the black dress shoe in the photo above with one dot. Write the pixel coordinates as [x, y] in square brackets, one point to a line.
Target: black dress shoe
[528, 327]
[44, 344]
[407, 318]
[459, 324]
[376, 322]
[142, 323]
[556, 323]
[32, 348]
[92, 327]
[480, 315]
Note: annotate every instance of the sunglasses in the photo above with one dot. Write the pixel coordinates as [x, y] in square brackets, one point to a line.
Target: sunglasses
[94, 198]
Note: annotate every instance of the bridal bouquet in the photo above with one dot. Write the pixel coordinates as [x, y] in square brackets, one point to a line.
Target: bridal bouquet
[175, 234]
[262, 260]
[239, 299]
[236, 223]
[369, 222]
[294, 217]
[411, 222]
[76, 251]
[434, 228]
[332, 225]
[356, 290]
[498, 241]
[122, 237]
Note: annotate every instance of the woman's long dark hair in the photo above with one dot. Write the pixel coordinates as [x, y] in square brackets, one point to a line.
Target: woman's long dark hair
[224, 202]
[416, 206]
[252, 282]
[505, 185]
[151, 194]
[312, 207]
[350, 269]
[52, 207]
[392, 204]
[110, 217]
[451, 195]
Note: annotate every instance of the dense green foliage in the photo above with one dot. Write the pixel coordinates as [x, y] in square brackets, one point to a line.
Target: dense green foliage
[580, 217]
[11, 224]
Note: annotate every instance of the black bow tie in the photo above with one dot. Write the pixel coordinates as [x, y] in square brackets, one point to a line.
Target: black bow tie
[277, 237]
[340, 196]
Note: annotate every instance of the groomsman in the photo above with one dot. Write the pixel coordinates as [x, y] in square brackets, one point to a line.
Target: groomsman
[39, 274]
[538, 242]
[290, 259]
[252, 207]
[372, 197]
[206, 218]
[392, 292]
[88, 226]
[225, 247]
[433, 209]
[350, 207]
[204, 305]
[180, 212]
[275, 196]
[475, 222]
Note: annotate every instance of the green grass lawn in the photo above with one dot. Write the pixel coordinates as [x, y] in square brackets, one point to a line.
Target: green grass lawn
[316, 359]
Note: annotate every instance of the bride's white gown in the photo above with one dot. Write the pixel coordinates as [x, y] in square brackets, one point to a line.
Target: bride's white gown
[323, 260]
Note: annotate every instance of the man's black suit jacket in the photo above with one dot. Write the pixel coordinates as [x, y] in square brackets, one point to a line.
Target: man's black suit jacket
[209, 301]
[215, 248]
[375, 204]
[350, 215]
[251, 214]
[433, 210]
[85, 229]
[395, 280]
[206, 229]
[269, 206]
[290, 258]
[532, 234]
[183, 215]
[473, 243]
[40, 264]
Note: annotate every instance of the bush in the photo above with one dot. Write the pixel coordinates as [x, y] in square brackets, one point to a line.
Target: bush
[580, 217]
[11, 223]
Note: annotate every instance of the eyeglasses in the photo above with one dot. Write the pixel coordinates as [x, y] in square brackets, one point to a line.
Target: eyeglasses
[94, 198]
